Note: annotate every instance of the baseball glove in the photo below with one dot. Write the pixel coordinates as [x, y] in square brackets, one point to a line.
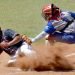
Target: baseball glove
[26, 39]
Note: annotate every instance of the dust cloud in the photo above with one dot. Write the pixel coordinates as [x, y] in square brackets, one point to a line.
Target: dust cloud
[46, 58]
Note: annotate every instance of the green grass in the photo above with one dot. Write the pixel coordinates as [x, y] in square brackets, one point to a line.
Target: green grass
[24, 16]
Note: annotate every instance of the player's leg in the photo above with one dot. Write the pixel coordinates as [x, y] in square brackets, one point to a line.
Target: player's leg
[12, 60]
[63, 37]
[26, 50]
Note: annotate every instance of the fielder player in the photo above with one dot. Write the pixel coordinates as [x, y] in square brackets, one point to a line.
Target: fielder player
[60, 24]
[14, 44]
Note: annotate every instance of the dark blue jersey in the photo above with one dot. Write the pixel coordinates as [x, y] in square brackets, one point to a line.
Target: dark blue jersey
[9, 35]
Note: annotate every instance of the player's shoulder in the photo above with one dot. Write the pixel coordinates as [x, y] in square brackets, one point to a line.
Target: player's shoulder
[65, 13]
[8, 31]
[69, 14]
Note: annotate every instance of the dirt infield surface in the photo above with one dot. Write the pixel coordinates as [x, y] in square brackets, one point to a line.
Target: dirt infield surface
[67, 50]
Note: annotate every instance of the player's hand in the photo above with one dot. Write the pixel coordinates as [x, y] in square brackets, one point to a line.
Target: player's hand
[27, 39]
[4, 44]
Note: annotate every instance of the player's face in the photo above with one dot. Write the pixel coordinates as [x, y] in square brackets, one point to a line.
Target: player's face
[46, 16]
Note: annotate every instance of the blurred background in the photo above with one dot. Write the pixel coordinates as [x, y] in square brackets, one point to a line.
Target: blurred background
[24, 16]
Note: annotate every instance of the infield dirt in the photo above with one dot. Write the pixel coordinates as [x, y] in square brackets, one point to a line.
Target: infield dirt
[43, 59]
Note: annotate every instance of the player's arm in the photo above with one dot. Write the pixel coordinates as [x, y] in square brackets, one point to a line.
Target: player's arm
[16, 39]
[1, 50]
[39, 36]
[49, 29]
[13, 35]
